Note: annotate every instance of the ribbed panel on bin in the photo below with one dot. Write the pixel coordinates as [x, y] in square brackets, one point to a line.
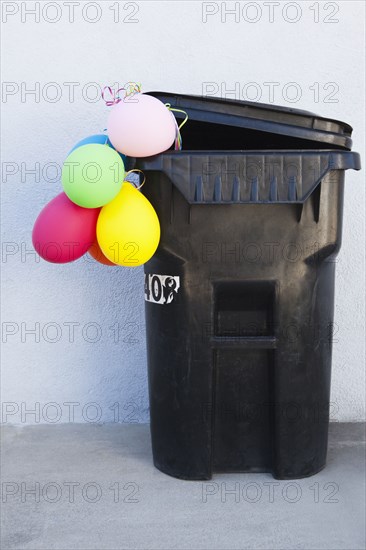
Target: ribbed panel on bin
[248, 177]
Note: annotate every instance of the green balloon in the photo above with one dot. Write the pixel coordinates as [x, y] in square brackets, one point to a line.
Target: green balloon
[92, 175]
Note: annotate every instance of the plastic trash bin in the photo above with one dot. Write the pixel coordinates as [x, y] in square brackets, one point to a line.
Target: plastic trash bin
[239, 296]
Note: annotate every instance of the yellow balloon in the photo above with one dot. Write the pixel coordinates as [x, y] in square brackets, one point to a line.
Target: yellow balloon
[128, 229]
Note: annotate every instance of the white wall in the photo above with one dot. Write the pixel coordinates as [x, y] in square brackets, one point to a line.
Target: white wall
[167, 48]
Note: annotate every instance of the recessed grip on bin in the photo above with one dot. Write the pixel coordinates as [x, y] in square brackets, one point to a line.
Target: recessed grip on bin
[237, 177]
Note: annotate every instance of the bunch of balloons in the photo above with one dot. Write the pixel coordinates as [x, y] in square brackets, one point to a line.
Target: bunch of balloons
[99, 211]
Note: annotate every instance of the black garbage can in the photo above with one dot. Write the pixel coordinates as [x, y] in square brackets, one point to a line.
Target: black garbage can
[239, 296]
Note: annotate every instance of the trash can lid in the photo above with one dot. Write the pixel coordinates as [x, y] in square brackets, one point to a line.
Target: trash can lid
[260, 117]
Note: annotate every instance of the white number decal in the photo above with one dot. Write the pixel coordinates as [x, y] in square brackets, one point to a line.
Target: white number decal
[161, 289]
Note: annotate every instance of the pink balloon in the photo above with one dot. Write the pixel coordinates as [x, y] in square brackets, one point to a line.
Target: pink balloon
[63, 231]
[141, 126]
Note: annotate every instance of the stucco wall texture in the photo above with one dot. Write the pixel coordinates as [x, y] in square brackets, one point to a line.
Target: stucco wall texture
[86, 358]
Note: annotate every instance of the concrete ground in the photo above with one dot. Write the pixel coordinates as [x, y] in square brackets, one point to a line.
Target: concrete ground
[95, 487]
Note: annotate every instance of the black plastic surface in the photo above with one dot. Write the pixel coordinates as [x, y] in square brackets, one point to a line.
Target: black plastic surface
[232, 177]
[216, 123]
[239, 336]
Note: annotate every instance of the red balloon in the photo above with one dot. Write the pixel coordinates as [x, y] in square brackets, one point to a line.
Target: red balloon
[64, 231]
[96, 252]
